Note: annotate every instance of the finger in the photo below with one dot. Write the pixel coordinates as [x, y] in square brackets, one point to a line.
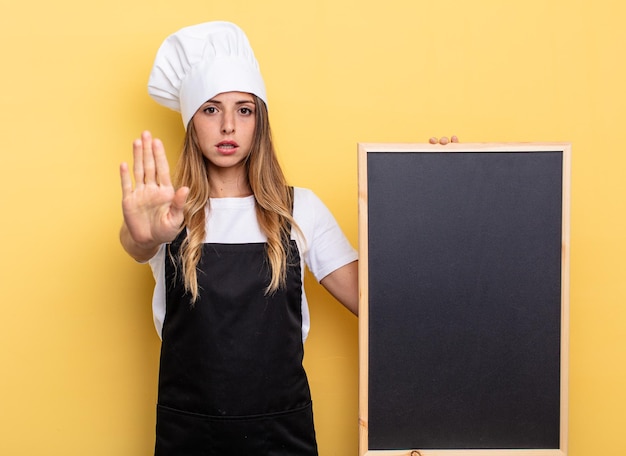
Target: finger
[138, 162]
[454, 139]
[149, 171]
[161, 164]
[127, 185]
[433, 140]
[443, 140]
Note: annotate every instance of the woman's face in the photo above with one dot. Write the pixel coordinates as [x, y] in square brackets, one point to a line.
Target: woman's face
[225, 128]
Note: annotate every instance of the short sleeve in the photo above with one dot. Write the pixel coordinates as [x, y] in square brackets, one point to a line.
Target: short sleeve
[325, 248]
[157, 264]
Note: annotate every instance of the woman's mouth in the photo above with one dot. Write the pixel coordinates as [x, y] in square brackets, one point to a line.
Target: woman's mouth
[227, 147]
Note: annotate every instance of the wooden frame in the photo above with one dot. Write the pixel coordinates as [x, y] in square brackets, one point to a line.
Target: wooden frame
[364, 149]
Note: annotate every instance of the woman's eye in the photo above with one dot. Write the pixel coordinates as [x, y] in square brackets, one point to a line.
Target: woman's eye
[246, 111]
[210, 110]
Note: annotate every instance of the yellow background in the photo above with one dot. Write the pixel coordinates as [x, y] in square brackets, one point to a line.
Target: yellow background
[78, 352]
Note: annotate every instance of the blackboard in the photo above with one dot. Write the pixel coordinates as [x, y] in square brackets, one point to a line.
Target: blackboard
[464, 273]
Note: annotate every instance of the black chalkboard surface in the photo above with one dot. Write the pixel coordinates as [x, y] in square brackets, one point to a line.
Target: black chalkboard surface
[464, 288]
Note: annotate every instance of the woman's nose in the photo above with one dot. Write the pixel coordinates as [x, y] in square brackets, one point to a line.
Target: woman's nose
[228, 124]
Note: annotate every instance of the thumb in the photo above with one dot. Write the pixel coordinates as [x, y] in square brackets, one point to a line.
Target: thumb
[178, 203]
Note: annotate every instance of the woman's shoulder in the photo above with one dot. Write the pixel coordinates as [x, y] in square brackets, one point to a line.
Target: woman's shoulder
[305, 194]
[305, 198]
[307, 206]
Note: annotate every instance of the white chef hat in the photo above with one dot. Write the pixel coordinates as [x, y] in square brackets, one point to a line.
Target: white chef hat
[198, 62]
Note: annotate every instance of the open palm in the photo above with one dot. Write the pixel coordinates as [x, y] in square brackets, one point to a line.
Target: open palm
[153, 209]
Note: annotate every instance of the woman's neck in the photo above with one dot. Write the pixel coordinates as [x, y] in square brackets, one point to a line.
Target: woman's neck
[228, 183]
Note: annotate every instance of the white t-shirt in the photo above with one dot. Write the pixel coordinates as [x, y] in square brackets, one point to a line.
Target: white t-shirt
[233, 221]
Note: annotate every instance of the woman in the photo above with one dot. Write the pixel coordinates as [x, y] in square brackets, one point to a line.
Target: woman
[227, 242]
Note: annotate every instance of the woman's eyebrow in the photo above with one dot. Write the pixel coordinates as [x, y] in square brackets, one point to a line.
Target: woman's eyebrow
[239, 102]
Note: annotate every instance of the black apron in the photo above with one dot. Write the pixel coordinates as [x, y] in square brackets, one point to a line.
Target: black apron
[231, 381]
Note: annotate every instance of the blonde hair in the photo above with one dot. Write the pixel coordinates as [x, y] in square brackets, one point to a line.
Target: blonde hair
[273, 201]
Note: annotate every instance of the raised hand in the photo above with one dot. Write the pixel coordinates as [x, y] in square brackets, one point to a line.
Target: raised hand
[153, 209]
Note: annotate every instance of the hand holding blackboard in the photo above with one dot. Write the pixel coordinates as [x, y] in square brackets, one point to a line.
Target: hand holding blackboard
[443, 140]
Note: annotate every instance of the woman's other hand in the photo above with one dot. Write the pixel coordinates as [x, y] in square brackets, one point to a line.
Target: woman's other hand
[443, 140]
